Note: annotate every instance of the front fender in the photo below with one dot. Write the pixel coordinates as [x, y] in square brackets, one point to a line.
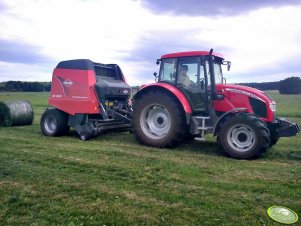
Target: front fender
[220, 119]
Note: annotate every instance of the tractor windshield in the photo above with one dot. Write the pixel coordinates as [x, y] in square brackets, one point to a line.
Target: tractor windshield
[217, 72]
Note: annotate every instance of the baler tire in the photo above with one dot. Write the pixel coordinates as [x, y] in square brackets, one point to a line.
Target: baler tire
[244, 136]
[158, 120]
[54, 123]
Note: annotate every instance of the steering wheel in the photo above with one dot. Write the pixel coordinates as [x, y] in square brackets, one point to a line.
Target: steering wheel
[199, 82]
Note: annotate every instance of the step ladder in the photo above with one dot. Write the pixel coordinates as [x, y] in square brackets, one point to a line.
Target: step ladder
[202, 127]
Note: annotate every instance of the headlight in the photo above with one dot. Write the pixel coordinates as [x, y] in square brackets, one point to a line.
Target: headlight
[273, 106]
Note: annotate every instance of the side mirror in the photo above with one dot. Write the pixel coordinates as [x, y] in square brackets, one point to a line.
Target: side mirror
[228, 63]
[156, 76]
[158, 62]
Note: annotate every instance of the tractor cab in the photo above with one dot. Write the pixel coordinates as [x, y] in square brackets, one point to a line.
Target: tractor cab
[190, 72]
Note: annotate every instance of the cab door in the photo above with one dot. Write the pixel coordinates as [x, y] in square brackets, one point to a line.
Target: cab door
[195, 91]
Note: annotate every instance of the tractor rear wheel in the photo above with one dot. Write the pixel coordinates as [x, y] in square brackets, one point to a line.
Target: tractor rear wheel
[54, 123]
[158, 120]
[244, 136]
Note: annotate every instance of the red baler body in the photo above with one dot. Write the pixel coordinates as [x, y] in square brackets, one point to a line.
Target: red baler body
[72, 91]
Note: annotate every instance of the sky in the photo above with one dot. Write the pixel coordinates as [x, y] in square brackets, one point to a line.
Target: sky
[262, 38]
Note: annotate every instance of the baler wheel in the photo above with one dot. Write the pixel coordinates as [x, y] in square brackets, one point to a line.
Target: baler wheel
[54, 123]
[158, 120]
[244, 136]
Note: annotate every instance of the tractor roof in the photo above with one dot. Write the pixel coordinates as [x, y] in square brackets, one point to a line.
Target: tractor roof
[190, 54]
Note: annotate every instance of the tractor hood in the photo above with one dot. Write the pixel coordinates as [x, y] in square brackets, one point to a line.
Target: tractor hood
[243, 90]
[237, 96]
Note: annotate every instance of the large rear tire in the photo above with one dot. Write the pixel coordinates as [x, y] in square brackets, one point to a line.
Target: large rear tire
[244, 136]
[158, 120]
[54, 123]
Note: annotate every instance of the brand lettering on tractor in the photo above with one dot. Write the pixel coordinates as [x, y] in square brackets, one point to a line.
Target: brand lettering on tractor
[245, 93]
[125, 91]
[67, 83]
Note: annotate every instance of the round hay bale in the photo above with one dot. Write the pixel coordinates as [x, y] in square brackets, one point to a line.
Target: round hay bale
[15, 113]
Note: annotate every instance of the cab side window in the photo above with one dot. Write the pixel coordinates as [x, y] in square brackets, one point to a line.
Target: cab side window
[194, 72]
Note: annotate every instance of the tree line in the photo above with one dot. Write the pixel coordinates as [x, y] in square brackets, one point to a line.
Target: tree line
[291, 85]
[21, 86]
[262, 85]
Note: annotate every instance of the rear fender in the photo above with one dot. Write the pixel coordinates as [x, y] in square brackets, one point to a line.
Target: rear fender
[172, 91]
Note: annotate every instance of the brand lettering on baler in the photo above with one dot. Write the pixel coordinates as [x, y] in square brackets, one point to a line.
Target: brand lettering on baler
[67, 83]
[79, 97]
[56, 96]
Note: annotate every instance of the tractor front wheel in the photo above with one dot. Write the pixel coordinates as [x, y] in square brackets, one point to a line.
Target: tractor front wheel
[158, 120]
[244, 136]
[54, 123]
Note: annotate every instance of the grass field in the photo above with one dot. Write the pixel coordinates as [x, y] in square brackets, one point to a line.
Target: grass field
[112, 180]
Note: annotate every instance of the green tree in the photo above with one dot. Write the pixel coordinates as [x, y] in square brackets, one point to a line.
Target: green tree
[291, 85]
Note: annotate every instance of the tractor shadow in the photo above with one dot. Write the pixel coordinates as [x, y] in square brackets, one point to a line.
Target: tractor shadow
[209, 147]
[204, 147]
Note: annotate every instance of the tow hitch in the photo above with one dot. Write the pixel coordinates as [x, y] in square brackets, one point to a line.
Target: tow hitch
[285, 128]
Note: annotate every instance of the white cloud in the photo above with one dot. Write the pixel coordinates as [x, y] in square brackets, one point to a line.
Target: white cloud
[25, 72]
[109, 31]
[74, 28]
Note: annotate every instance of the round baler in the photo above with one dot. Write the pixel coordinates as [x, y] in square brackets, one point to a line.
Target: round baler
[87, 96]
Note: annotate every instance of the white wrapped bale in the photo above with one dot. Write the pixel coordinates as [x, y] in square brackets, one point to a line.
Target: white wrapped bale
[16, 113]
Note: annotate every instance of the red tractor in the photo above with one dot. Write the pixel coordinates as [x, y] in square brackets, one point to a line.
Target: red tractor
[189, 99]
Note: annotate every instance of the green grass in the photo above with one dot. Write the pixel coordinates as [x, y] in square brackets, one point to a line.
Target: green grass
[287, 105]
[112, 180]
